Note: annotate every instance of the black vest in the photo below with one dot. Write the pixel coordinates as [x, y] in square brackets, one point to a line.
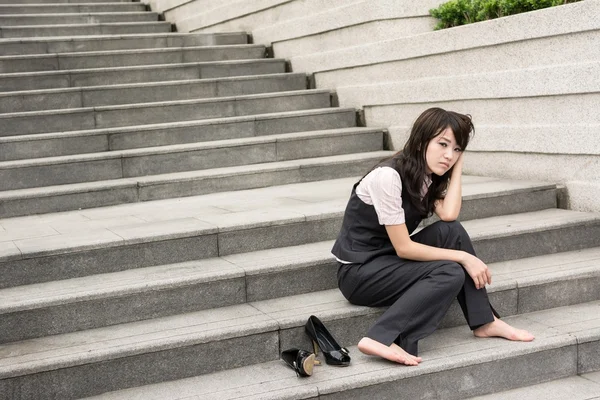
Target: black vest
[362, 238]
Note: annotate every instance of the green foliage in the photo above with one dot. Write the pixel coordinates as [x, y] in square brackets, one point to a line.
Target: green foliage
[461, 12]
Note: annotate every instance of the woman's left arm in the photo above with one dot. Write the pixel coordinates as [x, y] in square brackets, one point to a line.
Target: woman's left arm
[448, 208]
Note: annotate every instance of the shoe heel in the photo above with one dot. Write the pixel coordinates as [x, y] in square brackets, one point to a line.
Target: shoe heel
[308, 364]
[315, 347]
[322, 339]
[301, 361]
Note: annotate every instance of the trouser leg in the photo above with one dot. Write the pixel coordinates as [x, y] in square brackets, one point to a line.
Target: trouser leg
[418, 295]
[474, 302]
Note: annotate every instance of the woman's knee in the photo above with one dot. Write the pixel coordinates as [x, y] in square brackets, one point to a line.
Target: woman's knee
[452, 226]
[452, 229]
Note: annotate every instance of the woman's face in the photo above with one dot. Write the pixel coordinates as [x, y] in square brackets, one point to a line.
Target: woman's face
[442, 153]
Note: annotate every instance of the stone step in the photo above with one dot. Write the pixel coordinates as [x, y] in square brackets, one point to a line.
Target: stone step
[166, 111]
[515, 106]
[523, 285]
[72, 19]
[251, 336]
[114, 28]
[175, 10]
[253, 14]
[581, 387]
[97, 140]
[149, 161]
[348, 15]
[118, 42]
[38, 249]
[122, 58]
[93, 96]
[348, 36]
[70, 8]
[569, 34]
[354, 24]
[564, 347]
[12, 2]
[200, 4]
[138, 74]
[182, 184]
[556, 80]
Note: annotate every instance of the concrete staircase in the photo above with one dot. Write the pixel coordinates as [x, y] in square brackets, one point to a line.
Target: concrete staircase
[167, 206]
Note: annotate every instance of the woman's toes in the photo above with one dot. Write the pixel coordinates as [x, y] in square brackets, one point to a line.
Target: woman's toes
[524, 336]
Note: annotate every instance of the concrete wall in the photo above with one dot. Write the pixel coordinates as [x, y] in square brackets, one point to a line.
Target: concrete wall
[530, 81]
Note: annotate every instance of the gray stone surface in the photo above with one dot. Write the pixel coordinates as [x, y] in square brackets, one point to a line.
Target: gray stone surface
[28, 147]
[353, 15]
[29, 81]
[40, 100]
[61, 265]
[121, 58]
[169, 159]
[86, 303]
[203, 109]
[229, 128]
[121, 28]
[227, 17]
[539, 234]
[180, 90]
[199, 158]
[15, 175]
[72, 19]
[60, 1]
[533, 81]
[475, 35]
[110, 42]
[255, 176]
[178, 9]
[456, 366]
[540, 222]
[69, 8]
[332, 193]
[277, 236]
[575, 388]
[46, 121]
[96, 194]
[67, 197]
[43, 62]
[138, 74]
[153, 292]
[224, 338]
[592, 376]
[166, 111]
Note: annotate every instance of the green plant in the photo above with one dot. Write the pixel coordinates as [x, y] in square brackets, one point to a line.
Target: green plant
[461, 12]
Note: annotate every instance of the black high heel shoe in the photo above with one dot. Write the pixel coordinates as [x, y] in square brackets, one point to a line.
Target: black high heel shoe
[321, 338]
[301, 361]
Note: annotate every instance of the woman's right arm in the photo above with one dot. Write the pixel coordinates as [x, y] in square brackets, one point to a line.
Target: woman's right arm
[409, 250]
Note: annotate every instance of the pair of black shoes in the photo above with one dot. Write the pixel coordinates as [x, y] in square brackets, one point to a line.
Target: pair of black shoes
[303, 361]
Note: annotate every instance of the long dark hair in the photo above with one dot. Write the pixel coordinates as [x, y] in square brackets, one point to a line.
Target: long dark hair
[411, 164]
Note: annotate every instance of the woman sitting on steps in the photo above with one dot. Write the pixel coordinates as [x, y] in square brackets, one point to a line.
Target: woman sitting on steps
[416, 276]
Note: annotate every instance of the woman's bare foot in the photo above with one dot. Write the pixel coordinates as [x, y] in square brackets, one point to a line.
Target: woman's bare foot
[499, 328]
[393, 352]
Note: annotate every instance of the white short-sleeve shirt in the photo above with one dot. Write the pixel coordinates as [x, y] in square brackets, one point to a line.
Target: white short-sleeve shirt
[382, 188]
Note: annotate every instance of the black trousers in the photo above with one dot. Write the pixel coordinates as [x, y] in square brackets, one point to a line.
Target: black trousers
[418, 293]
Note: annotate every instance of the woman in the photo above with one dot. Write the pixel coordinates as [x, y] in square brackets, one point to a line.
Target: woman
[416, 276]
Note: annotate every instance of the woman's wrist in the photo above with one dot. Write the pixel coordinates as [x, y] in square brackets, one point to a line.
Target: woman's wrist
[456, 171]
[461, 256]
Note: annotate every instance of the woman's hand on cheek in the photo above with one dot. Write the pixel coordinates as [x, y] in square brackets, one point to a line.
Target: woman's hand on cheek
[458, 166]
